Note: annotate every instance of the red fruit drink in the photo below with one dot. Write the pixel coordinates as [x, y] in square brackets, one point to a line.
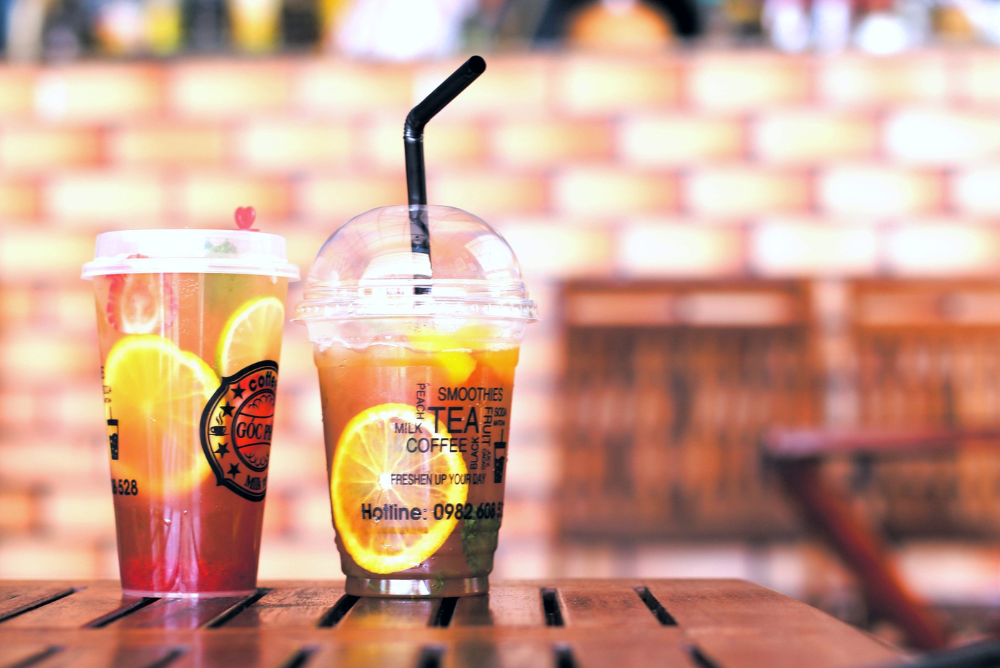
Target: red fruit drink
[190, 368]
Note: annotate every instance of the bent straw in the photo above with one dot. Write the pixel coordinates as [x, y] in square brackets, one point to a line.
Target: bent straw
[413, 146]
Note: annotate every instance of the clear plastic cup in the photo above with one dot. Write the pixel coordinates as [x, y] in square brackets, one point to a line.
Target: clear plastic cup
[416, 357]
[189, 324]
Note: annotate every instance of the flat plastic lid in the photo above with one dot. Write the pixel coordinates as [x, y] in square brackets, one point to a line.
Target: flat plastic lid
[190, 252]
[369, 269]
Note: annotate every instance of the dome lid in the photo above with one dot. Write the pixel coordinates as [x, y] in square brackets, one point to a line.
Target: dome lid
[368, 269]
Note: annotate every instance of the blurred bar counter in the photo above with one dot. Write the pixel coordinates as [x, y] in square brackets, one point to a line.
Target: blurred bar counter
[704, 165]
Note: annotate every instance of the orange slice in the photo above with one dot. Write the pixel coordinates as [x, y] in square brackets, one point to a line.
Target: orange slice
[252, 334]
[157, 394]
[372, 450]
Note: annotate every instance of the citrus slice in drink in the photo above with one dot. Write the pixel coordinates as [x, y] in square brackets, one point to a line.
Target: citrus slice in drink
[252, 334]
[157, 394]
[379, 471]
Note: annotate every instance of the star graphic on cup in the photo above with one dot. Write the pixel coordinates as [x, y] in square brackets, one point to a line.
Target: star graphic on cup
[223, 450]
[233, 470]
[238, 392]
[227, 410]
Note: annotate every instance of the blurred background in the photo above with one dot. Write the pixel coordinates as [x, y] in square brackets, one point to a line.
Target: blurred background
[734, 214]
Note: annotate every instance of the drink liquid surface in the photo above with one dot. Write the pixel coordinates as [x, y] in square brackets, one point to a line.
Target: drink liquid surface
[188, 437]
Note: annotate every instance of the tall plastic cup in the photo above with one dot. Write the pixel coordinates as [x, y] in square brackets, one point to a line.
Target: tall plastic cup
[416, 358]
[189, 324]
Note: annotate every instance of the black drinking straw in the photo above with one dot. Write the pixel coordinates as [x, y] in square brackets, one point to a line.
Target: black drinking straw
[413, 145]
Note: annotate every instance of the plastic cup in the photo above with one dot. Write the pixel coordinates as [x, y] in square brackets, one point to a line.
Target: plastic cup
[189, 324]
[416, 375]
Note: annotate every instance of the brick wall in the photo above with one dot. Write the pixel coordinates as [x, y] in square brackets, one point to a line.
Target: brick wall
[705, 164]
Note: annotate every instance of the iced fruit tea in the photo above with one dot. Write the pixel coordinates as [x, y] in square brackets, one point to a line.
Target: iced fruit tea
[190, 367]
[416, 426]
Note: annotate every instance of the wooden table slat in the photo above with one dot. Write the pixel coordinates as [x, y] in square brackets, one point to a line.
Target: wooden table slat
[13, 652]
[390, 612]
[365, 655]
[17, 600]
[604, 607]
[288, 607]
[505, 605]
[85, 605]
[485, 654]
[177, 613]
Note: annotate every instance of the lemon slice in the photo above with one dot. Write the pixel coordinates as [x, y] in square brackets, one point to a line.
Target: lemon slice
[373, 448]
[452, 351]
[252, 334]
[157, 395]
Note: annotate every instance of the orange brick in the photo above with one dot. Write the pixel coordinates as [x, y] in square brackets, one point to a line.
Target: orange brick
[18, 411]
[975, 190]
[335, 199]
[808, 136]
[99, 92]
[942, 137]
[51, 463]
[17, 511]
[489, 193]
[101, 197]
[17, 91]
[446, 143]
[857, 80]
[28, 149]
[745, 81]
[613, 192]
[852, 190]
[19, 200]
[290, 145]
[589, 85]
[169, 145]
[559, 250]
[215, 196]
[512, 86]
[943, 249]
[36, 359]
[680, 139]
[37, 254]
[86, 513]
[551, 143]
[746, 191]
[201, 89]
[679, 248]
[977, 76]
[809, 248]
[340, 87]
[47, 559]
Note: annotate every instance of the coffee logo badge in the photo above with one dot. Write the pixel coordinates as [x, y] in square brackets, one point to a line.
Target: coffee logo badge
[236, 428]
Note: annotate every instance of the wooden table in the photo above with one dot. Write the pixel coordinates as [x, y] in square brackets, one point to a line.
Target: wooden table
[559, 623]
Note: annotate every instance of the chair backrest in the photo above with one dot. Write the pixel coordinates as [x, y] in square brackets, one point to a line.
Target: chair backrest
[927, 353]
[666, 391]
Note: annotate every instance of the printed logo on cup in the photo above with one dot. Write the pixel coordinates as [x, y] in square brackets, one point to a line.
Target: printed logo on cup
[236, 428]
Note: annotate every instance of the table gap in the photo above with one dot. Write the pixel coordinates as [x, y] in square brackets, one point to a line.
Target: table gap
[662, 614]
[300, 657]
[38, 658]
[442, 617]
[123, 611]
[167, 659]
[38, 603]
[699, 659]
[563, 657]
[431, 656]
[226, 615]
[550, 604]
[333, 616]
